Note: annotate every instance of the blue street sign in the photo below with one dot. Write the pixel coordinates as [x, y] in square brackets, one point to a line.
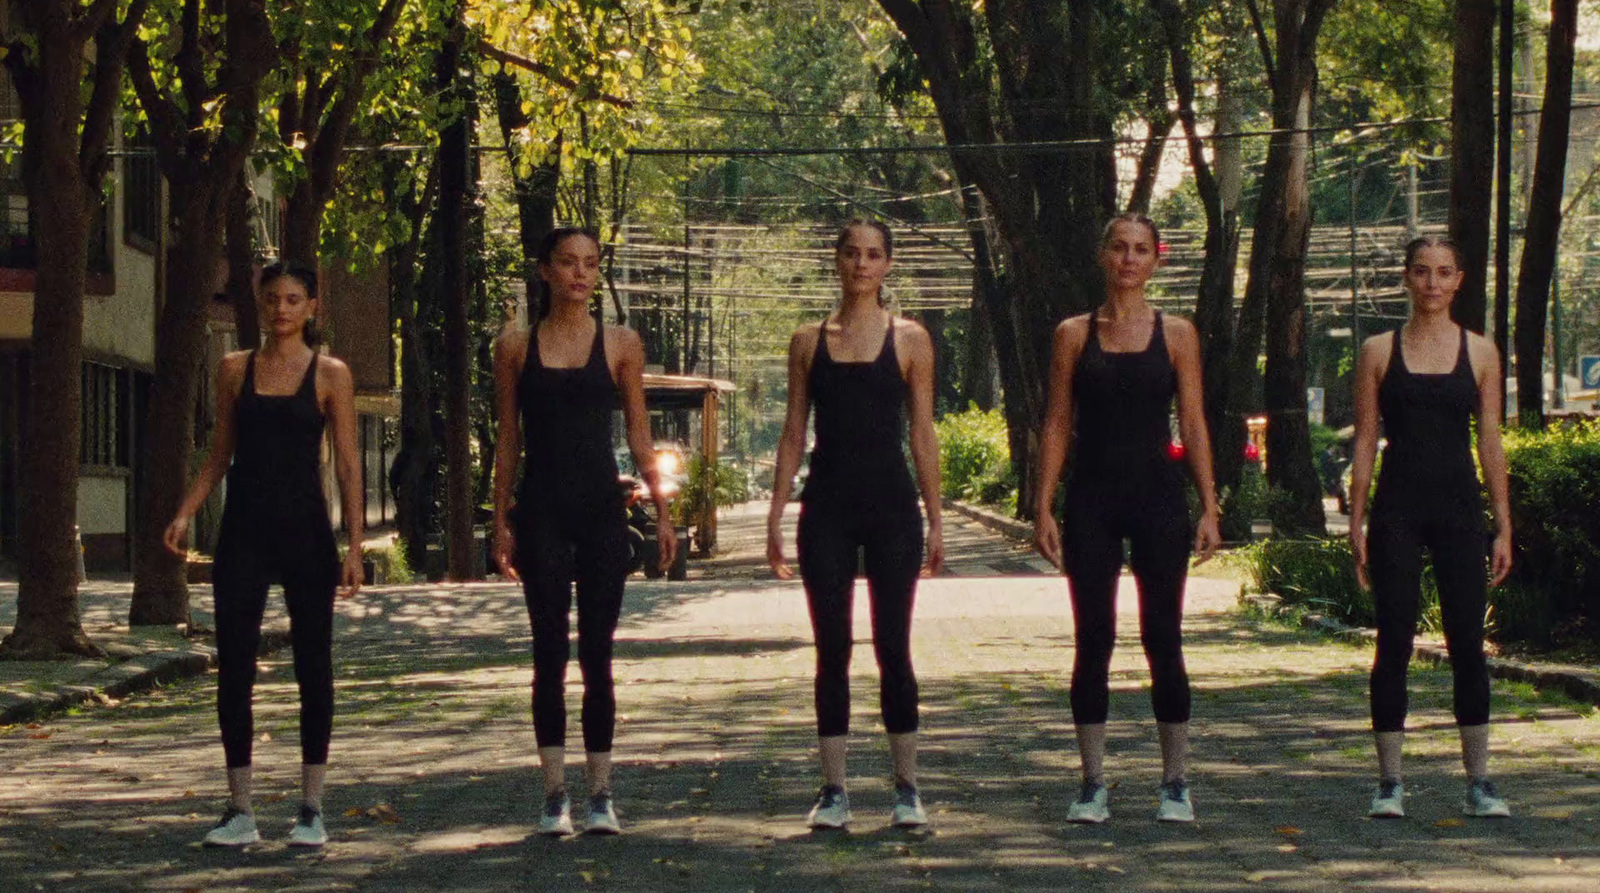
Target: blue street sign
[1589, 371]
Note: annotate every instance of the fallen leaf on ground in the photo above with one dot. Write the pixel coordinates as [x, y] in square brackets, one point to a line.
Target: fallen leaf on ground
[1449, 823]
[1287, 830]
[384, 813]
[352, 812]
[41, 736]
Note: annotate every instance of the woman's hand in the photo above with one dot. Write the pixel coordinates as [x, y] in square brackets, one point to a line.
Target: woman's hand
[1047, 538]
[354, 572]
[176, 537]
[1207, 537]
[775, 558]
[666, 545]
[933, 563]
[505, 551]
[1500, 557]
[1358, 549]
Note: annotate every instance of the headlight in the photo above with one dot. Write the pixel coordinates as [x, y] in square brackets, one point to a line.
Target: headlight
[666, 462]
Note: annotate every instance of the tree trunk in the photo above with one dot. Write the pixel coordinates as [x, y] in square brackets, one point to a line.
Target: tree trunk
[241, 247]
[455, 147]
[1472, 155]
[977, 379]
[160, 581]
[302, 226]
[66, 136]
[1544, 214]
[1277, 270]
[59, 201]
[1213, 314]
[203, 170]
[536, 190]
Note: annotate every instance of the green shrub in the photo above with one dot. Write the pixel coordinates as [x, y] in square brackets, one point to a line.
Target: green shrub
[389, 563]
[1320, 575]
[1555, 517]
[975, 457]
[728, 485]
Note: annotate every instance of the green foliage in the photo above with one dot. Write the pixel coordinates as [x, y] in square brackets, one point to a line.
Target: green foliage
[1555, 515]
[728, 485]
[1320, 575]
[975, 457]
[390, 564]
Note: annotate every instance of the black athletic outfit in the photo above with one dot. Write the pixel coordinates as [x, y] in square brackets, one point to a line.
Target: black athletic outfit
[1122, 484]
[570, 526]
[275, 528]
[859, 497]
[1428, 497]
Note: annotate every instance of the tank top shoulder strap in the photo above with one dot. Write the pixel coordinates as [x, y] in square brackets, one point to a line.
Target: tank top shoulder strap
[1394, 354]
[248, 386]
[1464, 356]
[819, 353]
[308, 382]
[597, 353]
[886, 354]
[530, 357]
[1158, 336]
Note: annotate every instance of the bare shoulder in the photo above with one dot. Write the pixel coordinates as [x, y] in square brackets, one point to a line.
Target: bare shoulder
[624, 338]
[911, 332]
[1179, 329]
[1073, 331]
[804, 339]
[234, 361]
[1376, 348]
[334, 375]
[1482, 354]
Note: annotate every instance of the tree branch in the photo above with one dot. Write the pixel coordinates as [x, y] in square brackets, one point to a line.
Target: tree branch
[1263, 44]
[546, 72]
[87, 23]
[111, 55]
[191, 65]
[166, 118]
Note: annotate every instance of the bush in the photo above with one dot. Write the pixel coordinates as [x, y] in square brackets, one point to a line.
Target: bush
[729, 486]
[975, 457]
[1555, 519]
[1320, 575]
[389, 563]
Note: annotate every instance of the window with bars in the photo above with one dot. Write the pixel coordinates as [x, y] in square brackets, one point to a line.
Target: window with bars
[141, 195]
[104, 415]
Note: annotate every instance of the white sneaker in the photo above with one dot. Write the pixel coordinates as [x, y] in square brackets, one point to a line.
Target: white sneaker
[308, 829]
[235, 828]
[832, 809]
[556, 818]
[602, 815]
[908, 811]
[1175, 805]
[1389, 801]
[1093, 805]
[1483, 801]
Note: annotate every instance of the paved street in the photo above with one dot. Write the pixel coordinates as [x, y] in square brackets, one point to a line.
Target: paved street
[434, 783]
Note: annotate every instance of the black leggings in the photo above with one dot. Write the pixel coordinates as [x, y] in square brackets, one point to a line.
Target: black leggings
[890, 538]
[1094, 525]
[1394, 562]
[554, 549]
[303, 556]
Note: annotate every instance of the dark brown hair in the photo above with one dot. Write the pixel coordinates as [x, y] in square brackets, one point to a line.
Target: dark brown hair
[1421, 242]
[1131, 217]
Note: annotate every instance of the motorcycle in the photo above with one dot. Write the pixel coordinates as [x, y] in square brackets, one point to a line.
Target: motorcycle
[642, 547]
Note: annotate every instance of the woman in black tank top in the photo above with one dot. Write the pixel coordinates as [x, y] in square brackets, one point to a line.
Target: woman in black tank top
[272, 405]
[862, 369]
[1113, 376]
[1425, 383]
[558, 383]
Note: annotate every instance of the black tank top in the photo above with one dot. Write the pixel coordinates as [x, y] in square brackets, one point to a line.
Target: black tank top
[1123, 410]
[860, 425]
[566, 429]
[276, 473]
[1427, 465]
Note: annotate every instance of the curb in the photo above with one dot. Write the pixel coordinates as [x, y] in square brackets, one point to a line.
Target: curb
[1577, 684]
[133, 676]
[1010, 527]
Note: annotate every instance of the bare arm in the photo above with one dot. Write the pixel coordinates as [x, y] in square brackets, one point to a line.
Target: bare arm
[1056, 435]
[230, 378]
[924, 443]
[636, 420]
[1185, 343]
[346, 462]
[1492, 453]
[1369, 373]
[791, 443]
[510, 350]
